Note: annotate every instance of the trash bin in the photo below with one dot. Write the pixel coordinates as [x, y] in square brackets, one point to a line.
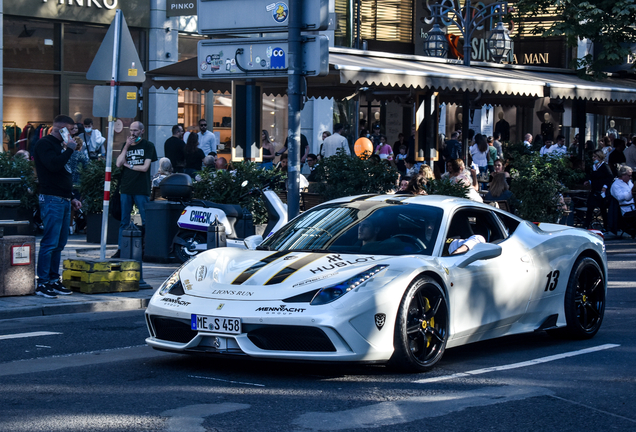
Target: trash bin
[17, 265]
[161, 227]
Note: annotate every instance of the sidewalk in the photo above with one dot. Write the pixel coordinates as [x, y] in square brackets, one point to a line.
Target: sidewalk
[27, 306]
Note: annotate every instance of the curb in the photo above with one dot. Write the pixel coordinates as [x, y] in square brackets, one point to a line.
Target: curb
[68, 308]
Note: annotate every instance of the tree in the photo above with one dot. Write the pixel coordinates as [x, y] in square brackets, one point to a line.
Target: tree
[609, 24]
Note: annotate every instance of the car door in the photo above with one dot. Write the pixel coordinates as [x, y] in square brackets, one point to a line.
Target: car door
[486, 296]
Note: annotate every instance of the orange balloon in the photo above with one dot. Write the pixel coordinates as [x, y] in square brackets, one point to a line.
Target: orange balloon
[363, 145]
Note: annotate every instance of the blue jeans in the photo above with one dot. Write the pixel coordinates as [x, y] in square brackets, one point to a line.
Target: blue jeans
[56, 217]
[126, 208]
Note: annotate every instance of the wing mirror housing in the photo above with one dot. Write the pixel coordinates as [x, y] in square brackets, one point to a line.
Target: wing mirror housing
[481, 251]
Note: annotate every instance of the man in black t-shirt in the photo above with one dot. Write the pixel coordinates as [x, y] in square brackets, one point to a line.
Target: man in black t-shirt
[304, 148]
[134, 187]
[174, 149]
[52, 154]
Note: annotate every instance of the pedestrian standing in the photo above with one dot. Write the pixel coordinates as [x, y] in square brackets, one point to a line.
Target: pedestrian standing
[134, 187]
[174, 149]
[207, 140]
[52, 154]
[332, 143]
[93, 139]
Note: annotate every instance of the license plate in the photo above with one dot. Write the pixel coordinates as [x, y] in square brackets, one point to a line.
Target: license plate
[215, 324]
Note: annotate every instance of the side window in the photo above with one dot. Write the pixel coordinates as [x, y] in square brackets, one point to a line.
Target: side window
[508, 222]
[468, 222]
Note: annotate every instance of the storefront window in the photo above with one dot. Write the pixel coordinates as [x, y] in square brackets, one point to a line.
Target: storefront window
[31, 44]
[274, 118]
[80, 46]
[191, 109]
[30, 98]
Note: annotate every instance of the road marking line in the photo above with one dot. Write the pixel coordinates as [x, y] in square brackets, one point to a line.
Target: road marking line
[516, 365]
[227, 381]
[26, 335]
[592, 408]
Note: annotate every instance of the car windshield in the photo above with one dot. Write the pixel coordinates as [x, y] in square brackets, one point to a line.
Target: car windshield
[368, 227]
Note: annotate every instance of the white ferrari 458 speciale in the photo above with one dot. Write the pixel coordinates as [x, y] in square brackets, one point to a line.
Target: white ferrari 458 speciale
[371, 279]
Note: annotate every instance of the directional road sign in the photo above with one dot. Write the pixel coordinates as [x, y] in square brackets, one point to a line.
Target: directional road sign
[259, 57]
[257, 16]
[129, 70]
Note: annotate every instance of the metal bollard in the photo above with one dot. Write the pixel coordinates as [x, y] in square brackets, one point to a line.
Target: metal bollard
[216, 234]
[131, 248]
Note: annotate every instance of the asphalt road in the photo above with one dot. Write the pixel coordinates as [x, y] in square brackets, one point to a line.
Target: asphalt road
[93, 372]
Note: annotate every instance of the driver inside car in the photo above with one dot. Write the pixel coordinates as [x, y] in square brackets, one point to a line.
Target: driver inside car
[459, 246]
[367, 234]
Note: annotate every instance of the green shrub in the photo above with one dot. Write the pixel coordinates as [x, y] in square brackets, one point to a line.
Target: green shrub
[537, 187]
[445, 187]
[224, 187]
[91, 185]
[25, 190]
[343, 175]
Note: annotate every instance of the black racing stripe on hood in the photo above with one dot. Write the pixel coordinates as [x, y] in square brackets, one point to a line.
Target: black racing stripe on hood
[293, 268]
[248, 273]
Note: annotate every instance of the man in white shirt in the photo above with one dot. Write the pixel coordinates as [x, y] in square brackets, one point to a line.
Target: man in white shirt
[630, 154]
[207, 140]
[558, 149]
[94, 141]
[527, 140]
[332, 143]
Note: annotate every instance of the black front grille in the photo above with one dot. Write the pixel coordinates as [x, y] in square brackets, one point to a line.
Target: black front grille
[290, 338]
[173, 330]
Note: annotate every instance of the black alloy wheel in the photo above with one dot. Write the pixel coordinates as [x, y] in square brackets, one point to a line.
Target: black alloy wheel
[422, 327]
[585, 299]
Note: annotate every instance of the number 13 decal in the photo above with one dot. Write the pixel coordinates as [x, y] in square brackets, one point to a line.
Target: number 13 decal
[553, 280]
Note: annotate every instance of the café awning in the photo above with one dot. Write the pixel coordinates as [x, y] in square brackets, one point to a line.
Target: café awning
[351, 70]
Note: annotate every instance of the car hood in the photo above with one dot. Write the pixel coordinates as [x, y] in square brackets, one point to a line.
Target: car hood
[230, 273]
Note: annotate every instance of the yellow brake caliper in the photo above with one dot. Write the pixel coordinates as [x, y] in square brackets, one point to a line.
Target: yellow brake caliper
[430, 323]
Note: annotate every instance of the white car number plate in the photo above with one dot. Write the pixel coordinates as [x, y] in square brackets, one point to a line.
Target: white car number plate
[215, 324]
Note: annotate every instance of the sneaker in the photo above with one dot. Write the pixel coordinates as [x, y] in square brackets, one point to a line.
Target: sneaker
[116, 254]
[45, 290]
[59, 288]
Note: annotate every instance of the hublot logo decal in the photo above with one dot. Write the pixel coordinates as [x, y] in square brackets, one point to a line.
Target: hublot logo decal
[338, 262]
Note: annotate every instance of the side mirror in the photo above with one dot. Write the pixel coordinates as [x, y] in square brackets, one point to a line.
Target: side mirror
[482, 251]
[252, 241]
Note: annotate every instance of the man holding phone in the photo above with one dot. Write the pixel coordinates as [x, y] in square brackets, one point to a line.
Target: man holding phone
[52, 154]
[134, 187]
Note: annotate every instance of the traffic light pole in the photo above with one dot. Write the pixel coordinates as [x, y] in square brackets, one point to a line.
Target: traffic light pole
[294, 98]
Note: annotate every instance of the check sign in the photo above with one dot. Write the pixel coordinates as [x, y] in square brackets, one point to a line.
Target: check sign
[215, 324]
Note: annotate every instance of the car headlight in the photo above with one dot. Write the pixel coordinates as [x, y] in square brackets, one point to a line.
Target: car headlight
[334, 292]
[170, 283]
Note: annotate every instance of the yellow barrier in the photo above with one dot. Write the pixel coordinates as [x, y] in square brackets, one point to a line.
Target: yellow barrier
[92, 276]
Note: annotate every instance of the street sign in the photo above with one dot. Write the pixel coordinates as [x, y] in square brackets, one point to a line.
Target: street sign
[129, 70]
[126, 101]
[258, 16]
[259, 57]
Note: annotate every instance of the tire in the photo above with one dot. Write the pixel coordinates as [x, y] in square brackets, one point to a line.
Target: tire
[584, 299]
[421, 328]
[191, 238]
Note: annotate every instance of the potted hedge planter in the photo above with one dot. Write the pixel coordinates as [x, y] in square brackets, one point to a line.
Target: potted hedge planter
[25, 191]
[91, 189]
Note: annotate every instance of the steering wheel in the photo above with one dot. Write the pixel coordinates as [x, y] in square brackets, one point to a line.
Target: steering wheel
[411, 239]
